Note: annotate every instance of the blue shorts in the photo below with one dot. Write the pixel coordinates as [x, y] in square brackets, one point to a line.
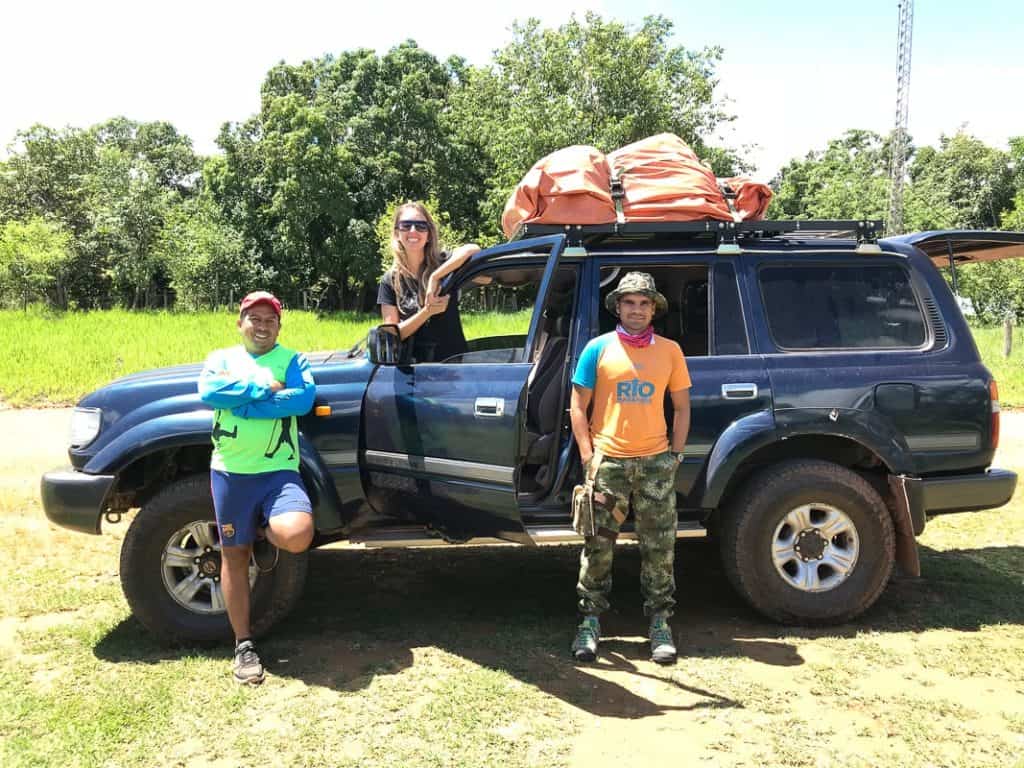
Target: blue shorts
[244, 502]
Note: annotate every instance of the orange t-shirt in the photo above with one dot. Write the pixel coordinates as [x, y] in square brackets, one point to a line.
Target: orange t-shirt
[629, 384]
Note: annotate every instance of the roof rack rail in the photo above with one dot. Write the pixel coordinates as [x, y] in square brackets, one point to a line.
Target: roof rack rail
[863, 230]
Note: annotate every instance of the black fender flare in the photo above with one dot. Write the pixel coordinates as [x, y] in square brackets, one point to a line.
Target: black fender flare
[181, 430]
[739, 440]
[869, 428]
[758, 430]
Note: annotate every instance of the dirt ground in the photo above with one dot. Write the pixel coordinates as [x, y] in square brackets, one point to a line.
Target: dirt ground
[738, 680]
[31, 441]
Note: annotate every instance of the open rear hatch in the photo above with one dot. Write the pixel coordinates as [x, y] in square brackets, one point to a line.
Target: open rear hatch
[964, 246]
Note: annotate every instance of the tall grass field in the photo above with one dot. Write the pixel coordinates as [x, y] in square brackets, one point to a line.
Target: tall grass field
[1008, 371]
[55, 358]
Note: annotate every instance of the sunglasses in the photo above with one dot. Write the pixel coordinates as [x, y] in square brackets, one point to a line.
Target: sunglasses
[418, 224]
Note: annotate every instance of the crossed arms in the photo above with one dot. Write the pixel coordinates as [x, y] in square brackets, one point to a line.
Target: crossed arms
[254, 393]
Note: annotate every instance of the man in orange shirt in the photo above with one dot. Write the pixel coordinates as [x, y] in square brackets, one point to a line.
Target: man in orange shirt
[624, 375]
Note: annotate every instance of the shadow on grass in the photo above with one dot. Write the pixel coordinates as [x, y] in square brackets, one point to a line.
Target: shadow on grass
[364, 613]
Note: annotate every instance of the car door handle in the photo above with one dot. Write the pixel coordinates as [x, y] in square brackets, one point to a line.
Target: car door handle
[489, 406]
[739, 391]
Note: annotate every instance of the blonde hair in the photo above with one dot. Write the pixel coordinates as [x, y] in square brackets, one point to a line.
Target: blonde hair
[431, 253]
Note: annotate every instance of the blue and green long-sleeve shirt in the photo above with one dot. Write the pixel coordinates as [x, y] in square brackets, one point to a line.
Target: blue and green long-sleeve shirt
[254, 428]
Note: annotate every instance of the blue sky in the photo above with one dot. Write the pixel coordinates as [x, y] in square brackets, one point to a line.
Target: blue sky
[797, 73]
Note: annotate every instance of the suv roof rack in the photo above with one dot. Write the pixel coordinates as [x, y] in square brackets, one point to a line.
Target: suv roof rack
[723, 232]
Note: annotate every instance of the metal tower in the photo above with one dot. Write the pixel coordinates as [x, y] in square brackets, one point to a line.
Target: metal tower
[897, 168]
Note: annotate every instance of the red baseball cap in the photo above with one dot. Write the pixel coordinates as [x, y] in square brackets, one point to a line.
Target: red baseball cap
[261, 297]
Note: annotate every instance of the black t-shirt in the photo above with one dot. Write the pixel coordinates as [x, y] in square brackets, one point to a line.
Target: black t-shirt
[440, 336]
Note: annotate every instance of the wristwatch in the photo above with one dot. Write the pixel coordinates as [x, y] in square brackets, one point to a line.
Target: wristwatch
[679, 457]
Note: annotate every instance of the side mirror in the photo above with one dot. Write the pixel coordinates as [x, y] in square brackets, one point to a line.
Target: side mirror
[384, 345]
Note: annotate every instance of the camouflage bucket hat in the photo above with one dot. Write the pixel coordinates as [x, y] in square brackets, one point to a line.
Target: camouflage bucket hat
[637, 282]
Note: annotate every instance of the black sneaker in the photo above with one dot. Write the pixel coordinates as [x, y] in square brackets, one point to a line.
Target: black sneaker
[248, 668]
[264, 554]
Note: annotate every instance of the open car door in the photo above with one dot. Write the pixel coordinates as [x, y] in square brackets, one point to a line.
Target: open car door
[964, 246]
[441, 440]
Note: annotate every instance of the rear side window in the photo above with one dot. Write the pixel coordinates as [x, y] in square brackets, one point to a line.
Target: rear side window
[824, 306]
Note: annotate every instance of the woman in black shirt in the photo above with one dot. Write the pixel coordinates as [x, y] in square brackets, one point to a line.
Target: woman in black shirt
[408, 291]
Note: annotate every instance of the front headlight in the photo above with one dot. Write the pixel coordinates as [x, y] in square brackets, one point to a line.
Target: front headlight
[85, 425]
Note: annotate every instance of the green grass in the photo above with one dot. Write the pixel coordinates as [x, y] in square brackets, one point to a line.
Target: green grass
[1008, 371]
[56, 358]
[125, 708]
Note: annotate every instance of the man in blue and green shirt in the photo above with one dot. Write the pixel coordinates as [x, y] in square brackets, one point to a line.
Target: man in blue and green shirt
[258, 390]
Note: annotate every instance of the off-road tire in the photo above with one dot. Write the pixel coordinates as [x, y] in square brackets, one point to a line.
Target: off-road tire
[749, 521]
[183, 501]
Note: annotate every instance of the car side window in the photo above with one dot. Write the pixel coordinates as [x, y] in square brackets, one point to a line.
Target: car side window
[833, 306]
[686, 289]
[496, 307]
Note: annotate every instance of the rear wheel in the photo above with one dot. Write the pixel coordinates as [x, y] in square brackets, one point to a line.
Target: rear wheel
[808, 542]
[170, 570]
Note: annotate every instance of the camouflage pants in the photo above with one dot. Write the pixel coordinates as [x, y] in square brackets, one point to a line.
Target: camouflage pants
[648, 482]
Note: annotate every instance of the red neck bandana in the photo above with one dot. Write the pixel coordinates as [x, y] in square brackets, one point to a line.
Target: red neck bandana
[642, 339]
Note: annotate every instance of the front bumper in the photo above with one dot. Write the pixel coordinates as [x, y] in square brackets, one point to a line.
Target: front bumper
[75, 500]
[964, 493]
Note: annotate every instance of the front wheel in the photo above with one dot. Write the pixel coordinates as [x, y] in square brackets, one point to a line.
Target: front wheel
[808, 542]
[170, 570]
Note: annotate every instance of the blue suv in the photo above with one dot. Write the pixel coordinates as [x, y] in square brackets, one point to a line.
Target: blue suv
[838, 400]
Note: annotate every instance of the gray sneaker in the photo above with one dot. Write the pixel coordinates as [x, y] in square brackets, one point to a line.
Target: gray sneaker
[248, 668]
[663, 647]
[588, 635]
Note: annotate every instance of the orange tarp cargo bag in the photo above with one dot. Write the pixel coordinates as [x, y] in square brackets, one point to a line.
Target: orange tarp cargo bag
[569, 186]
[752, 197]
[663, 180]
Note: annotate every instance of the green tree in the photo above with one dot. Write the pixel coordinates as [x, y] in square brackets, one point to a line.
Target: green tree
[307, 178]
[110, 187]
[143, 171]
[282, 183]
[965, 184]
[46, 175]
[127, 209]
[205, 257]
[35, 258]
[1013, 217]
[848, 180]
[167, 153]
[996, 289]
[594, 82]
[961, 184]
